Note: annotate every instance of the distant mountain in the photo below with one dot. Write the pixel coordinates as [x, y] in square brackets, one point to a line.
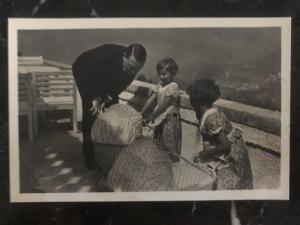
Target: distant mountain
[270, 63]
[256, 83]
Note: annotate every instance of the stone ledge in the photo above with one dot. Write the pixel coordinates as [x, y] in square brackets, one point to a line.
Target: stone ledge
[251, 116]
[253, 136]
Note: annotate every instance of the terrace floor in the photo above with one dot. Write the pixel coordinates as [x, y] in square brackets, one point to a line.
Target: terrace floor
[54, 163]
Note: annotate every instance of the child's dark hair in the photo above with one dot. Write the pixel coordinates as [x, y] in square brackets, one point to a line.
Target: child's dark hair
[204, 91]
[138, 51]
[167, 64]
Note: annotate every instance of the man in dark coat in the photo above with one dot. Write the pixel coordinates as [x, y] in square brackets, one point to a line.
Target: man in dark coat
[101, 75]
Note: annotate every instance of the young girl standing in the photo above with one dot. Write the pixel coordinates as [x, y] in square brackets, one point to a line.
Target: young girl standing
[223, 141]
[165, 116]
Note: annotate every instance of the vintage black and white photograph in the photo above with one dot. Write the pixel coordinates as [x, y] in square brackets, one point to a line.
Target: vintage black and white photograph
[143, 109]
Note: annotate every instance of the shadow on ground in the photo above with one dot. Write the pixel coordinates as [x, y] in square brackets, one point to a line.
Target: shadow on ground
[54, 163]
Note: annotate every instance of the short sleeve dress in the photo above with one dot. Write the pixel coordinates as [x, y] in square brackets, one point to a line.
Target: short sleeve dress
[169, 90]
[237, 174]
[168, 130]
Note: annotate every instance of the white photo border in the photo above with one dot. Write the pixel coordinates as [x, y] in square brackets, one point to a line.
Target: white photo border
[64, 24]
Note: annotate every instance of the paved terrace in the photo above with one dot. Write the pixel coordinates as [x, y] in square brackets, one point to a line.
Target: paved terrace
[54, 163]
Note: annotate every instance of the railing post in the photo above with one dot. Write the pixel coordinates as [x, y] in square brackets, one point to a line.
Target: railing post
[30, 108]
[75, 122]
[34, 104]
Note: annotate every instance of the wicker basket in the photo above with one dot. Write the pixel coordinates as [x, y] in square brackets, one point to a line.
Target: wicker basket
[106, 155]
[118, 125]
[142, 166]
[112, 131]
[190, 178]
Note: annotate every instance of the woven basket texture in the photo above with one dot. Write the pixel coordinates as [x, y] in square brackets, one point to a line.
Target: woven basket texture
[142, 166]
[119, 125]
[189, 178]
[106, 155]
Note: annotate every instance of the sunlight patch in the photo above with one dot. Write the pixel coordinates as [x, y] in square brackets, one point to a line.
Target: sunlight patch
[65, 171]
[74, 180]
[85, 189]
[51, 156]
[57, 163]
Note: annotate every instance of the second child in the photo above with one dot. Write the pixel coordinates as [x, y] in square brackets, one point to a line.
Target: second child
[223, 140]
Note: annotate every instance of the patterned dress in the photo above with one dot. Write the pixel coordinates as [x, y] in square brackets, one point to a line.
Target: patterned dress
[236, 174]
[168, 129]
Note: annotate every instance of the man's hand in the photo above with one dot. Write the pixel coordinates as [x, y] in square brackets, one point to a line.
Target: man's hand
[108, 99]
[97, 106]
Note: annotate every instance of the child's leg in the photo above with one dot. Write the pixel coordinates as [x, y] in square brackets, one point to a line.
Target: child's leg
[158, 132]
[172, 135]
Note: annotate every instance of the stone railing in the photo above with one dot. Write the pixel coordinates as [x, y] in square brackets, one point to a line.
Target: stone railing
[261, 126]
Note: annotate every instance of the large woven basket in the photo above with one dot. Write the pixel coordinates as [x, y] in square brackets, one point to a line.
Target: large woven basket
[120, 124]
[142, 166]
[190, 178]
[106, 155]
[112, 131]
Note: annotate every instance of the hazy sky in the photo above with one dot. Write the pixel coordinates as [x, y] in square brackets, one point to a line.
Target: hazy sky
[188, 46]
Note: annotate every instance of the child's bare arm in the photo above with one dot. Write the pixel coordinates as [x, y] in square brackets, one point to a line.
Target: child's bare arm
[223, 147]
[149, 103]
[161, 108]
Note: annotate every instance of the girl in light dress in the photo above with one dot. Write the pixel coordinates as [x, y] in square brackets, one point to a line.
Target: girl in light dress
[165, 118]
[146, 165]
